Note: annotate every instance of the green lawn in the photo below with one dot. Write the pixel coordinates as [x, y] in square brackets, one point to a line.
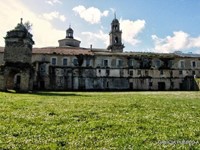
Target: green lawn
[115, 120]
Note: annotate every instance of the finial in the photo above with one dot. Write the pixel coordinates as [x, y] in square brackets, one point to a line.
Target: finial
[21, 20]
[115, 15]
[70, 25]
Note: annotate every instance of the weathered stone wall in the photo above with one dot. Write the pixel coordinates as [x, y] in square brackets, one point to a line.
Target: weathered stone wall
[18, 53]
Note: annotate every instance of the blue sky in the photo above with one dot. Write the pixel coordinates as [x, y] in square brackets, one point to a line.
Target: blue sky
[147, 25]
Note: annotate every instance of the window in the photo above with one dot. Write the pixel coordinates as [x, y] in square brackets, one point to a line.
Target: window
[87, 62]
[131, 73]
[53, 61]
[119, 63]
[42, 68]
[150, 84]
[107, 72]
[105, 63]
[180, 72]
[146, 72]
[182, 64]
[158, 63]
[116, 40]
[172, 84]
[193, 72]
[64, 61]
[161, 72]
[99, 70]
[131, 63]
[139, 72]
[75, 62]
[107, 84]
[194, 65]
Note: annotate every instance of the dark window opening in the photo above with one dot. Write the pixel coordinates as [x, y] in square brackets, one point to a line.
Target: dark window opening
[75, 62]
[146, 73]
[87, 62]
[107, 84]
[107, 72]
[172, 84]
[139, 72]
[161, 72]
[105, 63]
[116, 40]
[64, 61]
[53, 61]
[161, 86]
[131, 73]
[131, 85]
[194, 64]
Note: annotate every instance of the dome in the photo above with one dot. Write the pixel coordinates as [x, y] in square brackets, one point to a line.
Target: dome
[115, 21]
[70, 30]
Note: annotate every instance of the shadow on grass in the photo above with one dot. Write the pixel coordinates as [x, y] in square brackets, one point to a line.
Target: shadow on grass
[57, 94]
[48, 93]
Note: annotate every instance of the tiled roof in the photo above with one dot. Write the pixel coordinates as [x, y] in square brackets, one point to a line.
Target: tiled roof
[59, 51]
[86, 51]
[62, 51]
[188, 55]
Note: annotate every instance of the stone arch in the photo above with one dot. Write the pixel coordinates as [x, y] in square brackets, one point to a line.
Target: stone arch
[13, 80]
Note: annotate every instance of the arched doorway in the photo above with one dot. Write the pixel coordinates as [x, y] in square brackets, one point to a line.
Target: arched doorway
[13, 80]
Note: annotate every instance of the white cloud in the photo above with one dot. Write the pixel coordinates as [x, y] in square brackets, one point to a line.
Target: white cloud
[131, 29]
[52, 2]
[92, 15]
[54, 15]
[95, 37]
[44, 33]
[179, 41]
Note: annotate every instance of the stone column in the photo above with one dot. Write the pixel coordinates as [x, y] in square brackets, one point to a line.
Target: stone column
[25, 79]
[2, 83]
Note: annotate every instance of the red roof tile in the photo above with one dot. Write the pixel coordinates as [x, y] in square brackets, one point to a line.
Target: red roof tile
[62, 51]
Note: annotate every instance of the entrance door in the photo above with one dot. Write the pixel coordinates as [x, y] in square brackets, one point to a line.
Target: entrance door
[18, 81]
[161, 86]
[131, 85]
[42, 85]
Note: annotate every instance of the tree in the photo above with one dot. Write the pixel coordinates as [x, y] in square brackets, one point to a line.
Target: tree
[28, 25]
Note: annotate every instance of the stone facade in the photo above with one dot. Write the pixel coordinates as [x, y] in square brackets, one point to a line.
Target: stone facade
[70, 67]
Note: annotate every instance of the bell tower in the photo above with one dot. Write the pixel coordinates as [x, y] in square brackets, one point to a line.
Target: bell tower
[115, 37]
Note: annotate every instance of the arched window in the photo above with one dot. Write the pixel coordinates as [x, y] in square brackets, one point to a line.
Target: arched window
[116, 40]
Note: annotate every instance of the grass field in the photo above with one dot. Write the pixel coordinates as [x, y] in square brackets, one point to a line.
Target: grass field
[115, 120]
